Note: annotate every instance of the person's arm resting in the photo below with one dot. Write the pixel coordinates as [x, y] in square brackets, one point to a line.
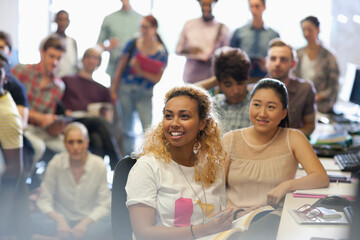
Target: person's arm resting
[309, 124]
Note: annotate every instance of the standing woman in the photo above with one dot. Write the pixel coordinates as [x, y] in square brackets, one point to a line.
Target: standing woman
[133, 82]
[318, 64]
[178, 182]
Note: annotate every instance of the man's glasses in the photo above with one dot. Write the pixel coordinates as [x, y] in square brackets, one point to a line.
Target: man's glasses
[309, 212]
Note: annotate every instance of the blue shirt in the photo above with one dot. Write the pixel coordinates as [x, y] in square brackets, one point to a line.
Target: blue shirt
[130, 78]
[255, 43]
[244, 38]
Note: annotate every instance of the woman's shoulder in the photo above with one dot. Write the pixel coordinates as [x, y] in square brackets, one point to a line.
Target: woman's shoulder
[95, 159]
[148, 159]
[234, 132]
[232, 136]
[59, 160]
[295, 136]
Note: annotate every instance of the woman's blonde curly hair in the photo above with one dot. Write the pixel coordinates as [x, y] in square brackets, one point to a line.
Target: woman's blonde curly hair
[209, 151]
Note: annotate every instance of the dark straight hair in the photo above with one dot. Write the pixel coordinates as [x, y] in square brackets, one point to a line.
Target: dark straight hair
[280, 90]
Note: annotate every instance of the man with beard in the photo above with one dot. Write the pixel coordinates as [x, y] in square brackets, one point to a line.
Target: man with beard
[280, 61]
[198, 40]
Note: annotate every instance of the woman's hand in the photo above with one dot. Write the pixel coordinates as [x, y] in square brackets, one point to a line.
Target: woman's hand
[276, 194]
[80, 229]
[217, 224]
[136, 67]
[246, 211]
[63, 228]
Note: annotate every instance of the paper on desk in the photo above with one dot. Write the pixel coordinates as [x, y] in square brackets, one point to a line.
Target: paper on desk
[328, 163]
[342, 189]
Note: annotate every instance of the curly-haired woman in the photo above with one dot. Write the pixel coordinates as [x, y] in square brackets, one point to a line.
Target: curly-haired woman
[177, 183]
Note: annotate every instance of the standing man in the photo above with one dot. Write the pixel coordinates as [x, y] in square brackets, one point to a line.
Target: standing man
[281, 60]
[44, 91]
[198, 40]
[116, 29]
[253, 38]
[69, 61]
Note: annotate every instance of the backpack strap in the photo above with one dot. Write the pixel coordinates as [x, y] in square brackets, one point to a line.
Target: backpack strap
[131, 50]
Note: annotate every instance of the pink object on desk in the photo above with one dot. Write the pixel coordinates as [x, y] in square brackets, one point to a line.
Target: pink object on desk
[317, 196]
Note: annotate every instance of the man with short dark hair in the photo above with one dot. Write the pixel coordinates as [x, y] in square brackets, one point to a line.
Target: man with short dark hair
[281, 60]
[231, 67]
[44, 91]
[69, 61]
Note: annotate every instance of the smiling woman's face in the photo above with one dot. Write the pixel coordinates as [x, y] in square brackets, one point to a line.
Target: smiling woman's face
[266, 110]
[181, 122]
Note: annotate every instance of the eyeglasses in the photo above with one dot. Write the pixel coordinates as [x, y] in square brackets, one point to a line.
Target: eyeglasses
[309, 212]
[145, 27]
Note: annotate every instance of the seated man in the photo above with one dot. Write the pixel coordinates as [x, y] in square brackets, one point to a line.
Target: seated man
[74, 199]
[231, 68]
[14, 209]
[80, 102]
[44, 90]
[280, 61]
[18, 93]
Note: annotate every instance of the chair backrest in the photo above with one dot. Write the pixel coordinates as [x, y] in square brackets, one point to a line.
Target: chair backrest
[120, 219]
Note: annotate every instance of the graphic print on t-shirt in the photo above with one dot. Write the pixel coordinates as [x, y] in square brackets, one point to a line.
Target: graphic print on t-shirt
[184, 209]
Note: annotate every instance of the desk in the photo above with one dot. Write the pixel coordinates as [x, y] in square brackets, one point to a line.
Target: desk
[289, 229]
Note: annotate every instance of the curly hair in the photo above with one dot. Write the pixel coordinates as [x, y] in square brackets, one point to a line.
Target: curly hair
[231, 62]
[209, 153]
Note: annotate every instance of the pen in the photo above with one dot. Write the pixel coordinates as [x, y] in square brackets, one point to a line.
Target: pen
[212, 218]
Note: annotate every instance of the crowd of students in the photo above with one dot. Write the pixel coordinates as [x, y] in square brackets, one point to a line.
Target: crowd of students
[231, 152]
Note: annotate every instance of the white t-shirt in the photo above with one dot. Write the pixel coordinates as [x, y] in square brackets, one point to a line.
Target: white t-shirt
[163, 186]
[308, 68]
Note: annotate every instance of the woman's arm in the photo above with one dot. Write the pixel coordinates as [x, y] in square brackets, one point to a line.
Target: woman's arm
[143, 223]
[63, 228]
[45, 201]
[102, 206]
[152, 77]
[316, 175]
[117, 77]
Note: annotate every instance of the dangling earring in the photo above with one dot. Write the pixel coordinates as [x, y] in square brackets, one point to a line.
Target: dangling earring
[197, 145]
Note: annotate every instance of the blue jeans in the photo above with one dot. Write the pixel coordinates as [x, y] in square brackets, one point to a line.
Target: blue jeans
[44, 225]
[134, 99]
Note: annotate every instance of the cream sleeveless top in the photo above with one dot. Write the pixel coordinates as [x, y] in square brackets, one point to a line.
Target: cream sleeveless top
[255, 170]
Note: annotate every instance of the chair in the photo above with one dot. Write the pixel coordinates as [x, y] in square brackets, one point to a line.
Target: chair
[120, 219]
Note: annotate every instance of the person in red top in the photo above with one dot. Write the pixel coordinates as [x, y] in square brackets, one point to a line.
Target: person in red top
[80, 93]
[44, 90]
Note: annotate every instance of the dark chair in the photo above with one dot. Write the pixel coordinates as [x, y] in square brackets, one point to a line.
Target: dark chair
[120, 219]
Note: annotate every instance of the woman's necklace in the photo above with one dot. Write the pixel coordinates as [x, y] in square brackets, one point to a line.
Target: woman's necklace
[201, 204]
